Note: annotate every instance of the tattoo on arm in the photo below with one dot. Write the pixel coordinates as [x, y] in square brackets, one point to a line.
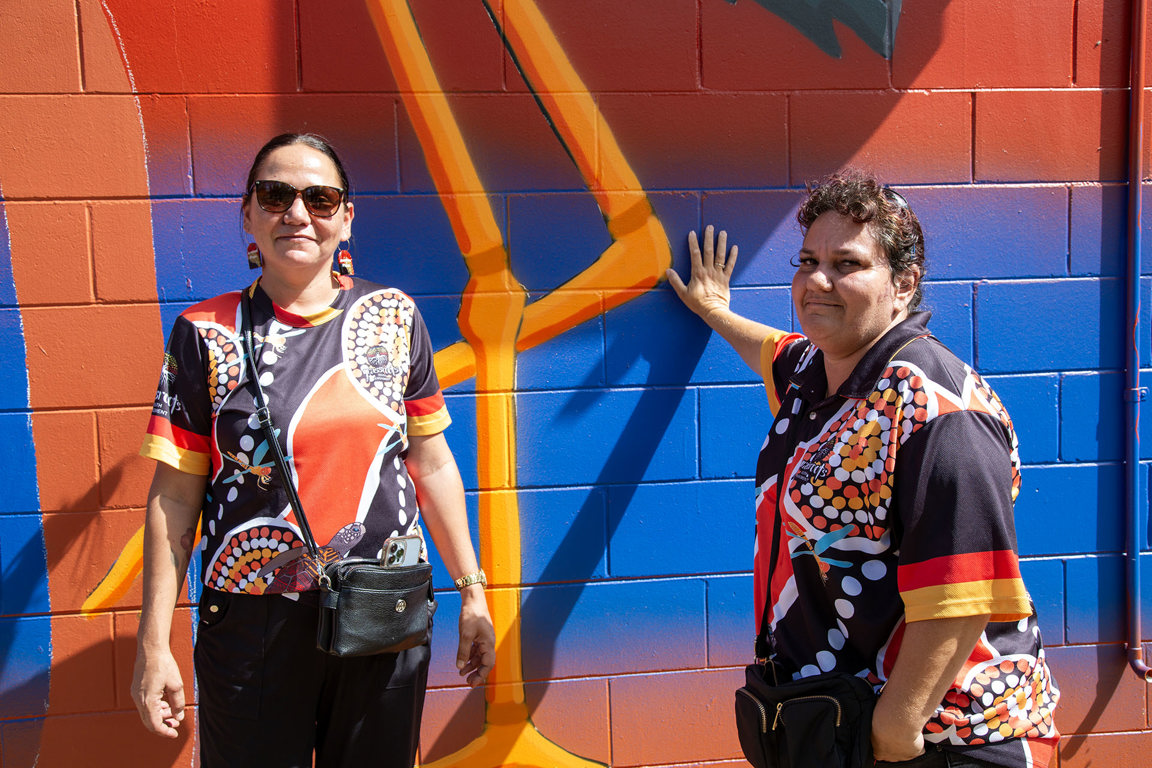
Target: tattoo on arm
[187, 543]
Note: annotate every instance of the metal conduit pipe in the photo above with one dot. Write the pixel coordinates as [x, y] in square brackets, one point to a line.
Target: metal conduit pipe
[1133, 393]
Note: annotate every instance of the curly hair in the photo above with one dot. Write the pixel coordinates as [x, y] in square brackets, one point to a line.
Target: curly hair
[861, 197]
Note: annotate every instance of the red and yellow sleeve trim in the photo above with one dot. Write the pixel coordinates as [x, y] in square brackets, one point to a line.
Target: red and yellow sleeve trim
[184, 450]
[770, 349]
[427, 415]
[965, 585]
[161, 449]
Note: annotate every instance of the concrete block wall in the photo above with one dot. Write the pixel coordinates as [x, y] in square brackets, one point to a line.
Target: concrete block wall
[125, 133]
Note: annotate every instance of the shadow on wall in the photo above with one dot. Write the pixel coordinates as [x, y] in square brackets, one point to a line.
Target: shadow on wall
[646, 428]
[70, 738]
[648, 424]
[29, 696]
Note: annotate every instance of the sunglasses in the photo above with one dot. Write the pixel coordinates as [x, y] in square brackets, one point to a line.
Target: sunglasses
[896, 198]
[278, 196]
[901, 203]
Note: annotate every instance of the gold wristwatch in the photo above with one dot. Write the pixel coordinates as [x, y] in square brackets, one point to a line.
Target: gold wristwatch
[476, 577]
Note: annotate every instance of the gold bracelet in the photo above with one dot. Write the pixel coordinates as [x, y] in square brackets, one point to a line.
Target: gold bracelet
[476, 577]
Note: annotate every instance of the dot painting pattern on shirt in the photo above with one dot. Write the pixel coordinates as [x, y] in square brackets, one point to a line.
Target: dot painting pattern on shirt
[841, 487]
[1006, 698]
[340, 384]
[858, 483]
[376, 338]
[890, 501]
[236, 568]
[846, 481]
[224, 362]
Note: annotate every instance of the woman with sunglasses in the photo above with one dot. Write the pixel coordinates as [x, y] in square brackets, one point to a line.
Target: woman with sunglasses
[885, 541]
[347, 368]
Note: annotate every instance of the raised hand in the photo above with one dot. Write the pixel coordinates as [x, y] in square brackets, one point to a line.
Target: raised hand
[708, 284]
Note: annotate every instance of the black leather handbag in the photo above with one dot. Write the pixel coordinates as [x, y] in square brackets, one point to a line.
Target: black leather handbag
[365, 607]
[822, 721]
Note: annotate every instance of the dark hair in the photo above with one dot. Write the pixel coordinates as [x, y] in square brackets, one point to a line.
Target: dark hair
[861, 197]
[318, 143]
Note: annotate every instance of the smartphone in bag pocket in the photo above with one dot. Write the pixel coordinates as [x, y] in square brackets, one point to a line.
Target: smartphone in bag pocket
[400, 551]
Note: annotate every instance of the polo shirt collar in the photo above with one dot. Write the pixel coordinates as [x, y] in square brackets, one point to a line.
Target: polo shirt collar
[813, 383]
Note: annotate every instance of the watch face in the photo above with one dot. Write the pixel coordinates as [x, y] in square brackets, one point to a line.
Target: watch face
[470, 579]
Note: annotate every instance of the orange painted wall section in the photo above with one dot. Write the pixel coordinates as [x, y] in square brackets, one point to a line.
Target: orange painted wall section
[526, 170]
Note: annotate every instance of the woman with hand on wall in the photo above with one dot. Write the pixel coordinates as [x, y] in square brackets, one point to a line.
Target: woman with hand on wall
[885, 490]
[347, 367]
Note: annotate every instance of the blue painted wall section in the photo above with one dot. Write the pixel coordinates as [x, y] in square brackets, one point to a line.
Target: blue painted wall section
[25, 628]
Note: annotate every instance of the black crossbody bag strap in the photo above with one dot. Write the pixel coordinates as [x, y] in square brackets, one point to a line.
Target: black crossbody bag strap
[764, 637]
[265, 419]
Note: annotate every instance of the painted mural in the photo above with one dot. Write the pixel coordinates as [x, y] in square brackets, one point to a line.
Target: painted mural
[527, 170]
[875, 21]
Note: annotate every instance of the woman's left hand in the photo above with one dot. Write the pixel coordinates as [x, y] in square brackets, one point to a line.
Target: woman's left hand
[441, 495]
[477, 652]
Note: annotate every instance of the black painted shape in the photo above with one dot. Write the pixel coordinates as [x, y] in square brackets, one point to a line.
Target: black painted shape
[873, 20]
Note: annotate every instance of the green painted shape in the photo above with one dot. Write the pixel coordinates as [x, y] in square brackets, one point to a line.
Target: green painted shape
[874, 21]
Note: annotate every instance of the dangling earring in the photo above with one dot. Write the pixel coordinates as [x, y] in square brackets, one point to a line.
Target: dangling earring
[344, 260]
[255, 258]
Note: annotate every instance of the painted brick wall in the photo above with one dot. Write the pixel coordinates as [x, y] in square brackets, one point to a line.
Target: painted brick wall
[125, 133]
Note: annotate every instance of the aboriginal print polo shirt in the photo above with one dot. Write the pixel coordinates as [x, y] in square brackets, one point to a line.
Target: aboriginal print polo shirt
[345, 388]
[894, 498]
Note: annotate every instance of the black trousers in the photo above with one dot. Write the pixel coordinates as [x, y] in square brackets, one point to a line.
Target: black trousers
[268, 697]
[935, 757]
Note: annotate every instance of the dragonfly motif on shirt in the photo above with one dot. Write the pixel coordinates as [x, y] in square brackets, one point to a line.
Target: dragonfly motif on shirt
[394, 436]
[278, 339]
[820, 546]
[261, 471]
